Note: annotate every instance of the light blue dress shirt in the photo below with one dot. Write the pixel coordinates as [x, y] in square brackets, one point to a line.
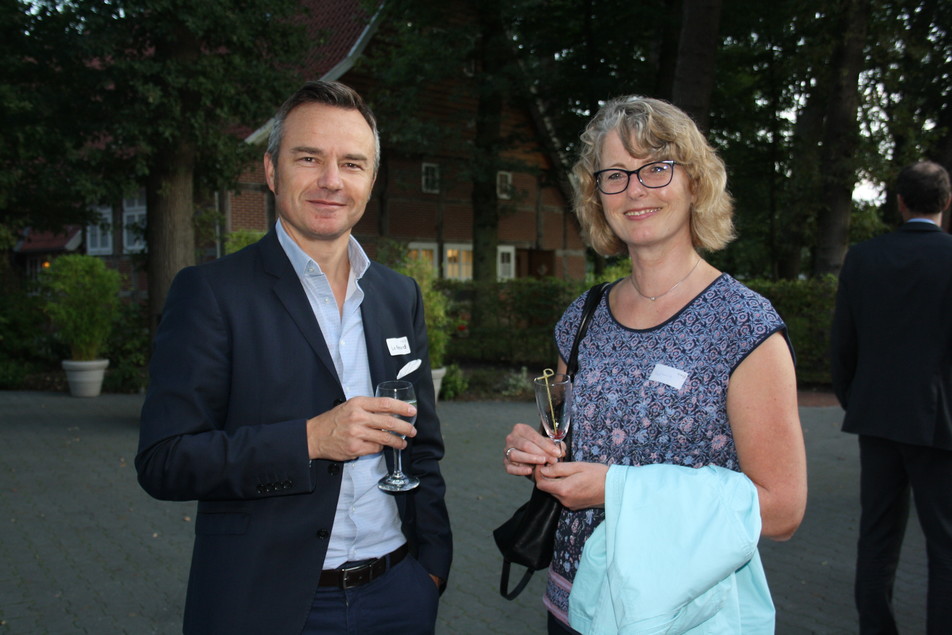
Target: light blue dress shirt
[367, 523]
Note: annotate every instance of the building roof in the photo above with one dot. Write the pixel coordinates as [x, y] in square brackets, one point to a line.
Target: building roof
[34, 242]
[343, 28]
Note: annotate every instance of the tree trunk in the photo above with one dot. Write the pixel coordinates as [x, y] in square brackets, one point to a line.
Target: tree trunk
[840, 140]
[694, 73]
[664, 54]
[803, 185]
[490, 50]
[170, 232]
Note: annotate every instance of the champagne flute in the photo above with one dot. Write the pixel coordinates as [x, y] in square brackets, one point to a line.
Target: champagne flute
[397, 481]
[555, 400]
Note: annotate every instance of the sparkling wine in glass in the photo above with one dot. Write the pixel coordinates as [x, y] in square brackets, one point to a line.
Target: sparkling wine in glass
[554, 398]
[397, 481]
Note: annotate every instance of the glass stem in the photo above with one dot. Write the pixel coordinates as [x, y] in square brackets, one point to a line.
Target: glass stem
[398, 461]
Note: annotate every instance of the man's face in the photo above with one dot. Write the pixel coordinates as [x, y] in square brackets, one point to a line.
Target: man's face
[324, 174]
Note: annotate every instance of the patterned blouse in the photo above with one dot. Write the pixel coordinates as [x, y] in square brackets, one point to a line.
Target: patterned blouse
[657, 395]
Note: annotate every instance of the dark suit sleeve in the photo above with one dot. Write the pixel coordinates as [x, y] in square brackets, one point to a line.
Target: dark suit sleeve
[843, 347]
[187, 448]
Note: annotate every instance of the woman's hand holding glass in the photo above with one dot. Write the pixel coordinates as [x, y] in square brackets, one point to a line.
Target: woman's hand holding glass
[527, 448]
[576, 484]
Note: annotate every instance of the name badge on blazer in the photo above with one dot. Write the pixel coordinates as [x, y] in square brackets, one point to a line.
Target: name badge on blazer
[398, 346]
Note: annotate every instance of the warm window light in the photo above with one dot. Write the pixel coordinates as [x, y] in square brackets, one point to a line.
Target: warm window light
[46, 264]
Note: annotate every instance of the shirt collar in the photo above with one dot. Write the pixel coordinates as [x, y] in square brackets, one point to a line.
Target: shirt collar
[919, 219]
[359, 262]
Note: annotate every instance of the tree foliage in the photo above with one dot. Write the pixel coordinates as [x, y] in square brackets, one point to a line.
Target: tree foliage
[148, 93]
[805, 100]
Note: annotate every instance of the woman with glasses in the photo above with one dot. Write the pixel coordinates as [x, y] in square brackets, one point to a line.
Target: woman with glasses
[687, 444]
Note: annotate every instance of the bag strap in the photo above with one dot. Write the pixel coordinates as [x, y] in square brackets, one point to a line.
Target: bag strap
[591, 303]
[571, 367]
[504, 581]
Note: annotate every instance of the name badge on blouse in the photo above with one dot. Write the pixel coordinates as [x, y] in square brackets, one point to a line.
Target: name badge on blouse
[670, 376]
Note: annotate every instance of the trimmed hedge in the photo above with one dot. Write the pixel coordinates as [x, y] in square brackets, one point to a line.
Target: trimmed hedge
[807, 308]
[518, 329]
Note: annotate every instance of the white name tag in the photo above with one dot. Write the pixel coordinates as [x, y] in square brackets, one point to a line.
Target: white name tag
[670, 376]
[398, 346]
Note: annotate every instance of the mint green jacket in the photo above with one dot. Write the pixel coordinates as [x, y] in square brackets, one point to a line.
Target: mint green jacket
[676, 553]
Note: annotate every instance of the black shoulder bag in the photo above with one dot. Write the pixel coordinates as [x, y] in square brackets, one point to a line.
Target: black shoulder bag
[528, 537]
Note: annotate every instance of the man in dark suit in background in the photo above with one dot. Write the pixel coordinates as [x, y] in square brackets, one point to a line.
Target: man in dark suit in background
[892, 372]
[261, 407]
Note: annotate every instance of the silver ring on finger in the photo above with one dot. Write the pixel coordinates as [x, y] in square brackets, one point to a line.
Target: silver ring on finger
[508, 450]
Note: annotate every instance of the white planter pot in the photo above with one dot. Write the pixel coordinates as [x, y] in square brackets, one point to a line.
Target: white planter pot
[85, 378]
[438, 374]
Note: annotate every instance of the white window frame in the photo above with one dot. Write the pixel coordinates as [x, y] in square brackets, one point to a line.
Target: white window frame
[430, 178]
[462, 269]
[133, 224]
[425, 251]
[505, 270]
[99, 235]
[504, 185]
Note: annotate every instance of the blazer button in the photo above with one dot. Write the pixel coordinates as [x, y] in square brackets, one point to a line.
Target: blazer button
[334, 469]
[323, 534]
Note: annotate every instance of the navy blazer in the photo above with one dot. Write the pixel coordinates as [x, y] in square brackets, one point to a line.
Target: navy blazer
[238, 367]
[892, 337]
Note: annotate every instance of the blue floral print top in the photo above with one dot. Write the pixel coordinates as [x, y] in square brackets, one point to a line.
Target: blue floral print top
[657, 395]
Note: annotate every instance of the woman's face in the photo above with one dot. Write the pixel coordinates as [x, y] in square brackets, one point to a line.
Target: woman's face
[641, 216]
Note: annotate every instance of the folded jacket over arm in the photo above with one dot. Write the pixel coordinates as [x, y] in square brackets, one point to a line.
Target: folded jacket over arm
[677, 553]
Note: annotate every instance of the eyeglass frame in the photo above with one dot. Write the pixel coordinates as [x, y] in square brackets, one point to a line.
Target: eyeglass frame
[637, 173]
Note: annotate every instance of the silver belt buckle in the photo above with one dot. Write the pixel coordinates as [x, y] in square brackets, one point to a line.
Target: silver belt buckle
[356, 575]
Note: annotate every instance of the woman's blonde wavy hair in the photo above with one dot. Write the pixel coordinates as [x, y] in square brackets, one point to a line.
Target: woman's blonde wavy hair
[665, 132]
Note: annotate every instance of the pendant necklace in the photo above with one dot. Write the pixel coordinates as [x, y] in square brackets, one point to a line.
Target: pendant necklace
[634, 284]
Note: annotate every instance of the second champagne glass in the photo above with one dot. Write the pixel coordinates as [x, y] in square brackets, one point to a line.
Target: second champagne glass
[554, 398]
[397, 481]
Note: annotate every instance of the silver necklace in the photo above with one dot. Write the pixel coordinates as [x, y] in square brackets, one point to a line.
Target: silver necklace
[634, 284]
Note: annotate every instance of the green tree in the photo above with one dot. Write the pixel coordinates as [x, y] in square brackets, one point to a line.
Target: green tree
[165, 89]
[43, 183]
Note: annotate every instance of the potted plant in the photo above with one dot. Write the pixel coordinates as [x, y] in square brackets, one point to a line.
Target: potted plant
[82, 301]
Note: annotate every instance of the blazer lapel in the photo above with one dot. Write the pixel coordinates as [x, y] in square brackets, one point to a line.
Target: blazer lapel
[373, 311]
[287, 286]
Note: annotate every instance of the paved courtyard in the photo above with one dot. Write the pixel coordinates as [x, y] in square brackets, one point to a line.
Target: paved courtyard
[84, 550]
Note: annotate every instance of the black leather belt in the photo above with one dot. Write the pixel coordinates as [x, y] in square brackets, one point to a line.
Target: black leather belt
[350, 576]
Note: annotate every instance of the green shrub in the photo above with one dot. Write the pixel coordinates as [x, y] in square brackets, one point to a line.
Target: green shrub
[129, 350]
[435, 308]
[82, 300]
[807, 308]
[241, 238]
[454, 383]
[518, 328]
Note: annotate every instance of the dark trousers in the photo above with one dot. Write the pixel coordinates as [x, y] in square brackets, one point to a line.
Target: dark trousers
[403, 600]
[889, 470]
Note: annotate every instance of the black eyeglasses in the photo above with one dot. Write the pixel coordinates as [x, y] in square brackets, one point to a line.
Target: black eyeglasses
[653, 175]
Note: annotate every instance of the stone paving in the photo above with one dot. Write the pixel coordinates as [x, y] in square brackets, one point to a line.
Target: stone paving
[84, 550]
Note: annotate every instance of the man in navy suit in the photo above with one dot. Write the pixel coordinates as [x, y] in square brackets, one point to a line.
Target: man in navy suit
[261, 407]
[892, 372]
